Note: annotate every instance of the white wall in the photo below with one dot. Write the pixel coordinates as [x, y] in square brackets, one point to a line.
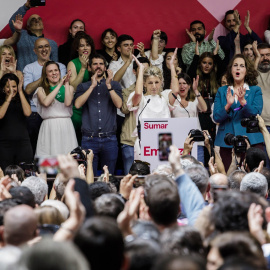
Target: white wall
[8, 7]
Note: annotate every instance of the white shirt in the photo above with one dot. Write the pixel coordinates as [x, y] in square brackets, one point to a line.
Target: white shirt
[129, 77]
[158, 62]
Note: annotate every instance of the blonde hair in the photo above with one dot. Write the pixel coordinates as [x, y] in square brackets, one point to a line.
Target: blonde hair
[3, 47]
[156, 72]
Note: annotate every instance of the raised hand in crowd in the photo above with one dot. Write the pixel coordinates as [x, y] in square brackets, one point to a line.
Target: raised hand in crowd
[247, 21]
[211, 35]
[140, 47]
[126, 185]
[5, 186]
[68, 166]
[69, 228]
[215, 52]
[18, 23]
[191, 36]
[130, 211]
[188, 145]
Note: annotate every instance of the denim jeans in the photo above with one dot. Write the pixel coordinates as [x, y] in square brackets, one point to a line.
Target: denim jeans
[128, 157]
[105, 149]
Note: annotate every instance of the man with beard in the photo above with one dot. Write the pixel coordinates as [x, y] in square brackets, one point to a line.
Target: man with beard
[99, 98]
[232, 24]
[197, 33]
[264, 80]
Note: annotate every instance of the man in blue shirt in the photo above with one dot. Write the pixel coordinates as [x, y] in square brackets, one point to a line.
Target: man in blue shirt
[99, 98]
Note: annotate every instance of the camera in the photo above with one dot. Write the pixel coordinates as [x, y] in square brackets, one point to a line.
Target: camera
[80, 156]
[238, 142]
[197, 135]
[251, 124]
[29, 168]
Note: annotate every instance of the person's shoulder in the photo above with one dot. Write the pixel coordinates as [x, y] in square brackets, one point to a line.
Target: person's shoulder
[30, 66]
[52, 42]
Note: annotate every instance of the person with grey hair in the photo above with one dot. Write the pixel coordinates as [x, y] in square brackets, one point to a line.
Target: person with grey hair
[235, 179]
[200, 177]
[38, 187]
[255, 182]
[164, 169]
[51, 255]
[59, 186]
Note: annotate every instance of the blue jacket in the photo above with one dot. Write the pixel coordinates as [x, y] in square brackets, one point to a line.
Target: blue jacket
[231, 122]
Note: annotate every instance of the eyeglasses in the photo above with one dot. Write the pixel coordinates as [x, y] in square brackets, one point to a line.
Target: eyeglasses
[46, 46]
[35, 19]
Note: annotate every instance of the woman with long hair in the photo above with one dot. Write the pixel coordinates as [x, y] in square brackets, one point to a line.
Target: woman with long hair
[209, 68]
[83, 48]
[188, 95]
[15, 145]
[241, 99]
[54, 104]
[64, 50]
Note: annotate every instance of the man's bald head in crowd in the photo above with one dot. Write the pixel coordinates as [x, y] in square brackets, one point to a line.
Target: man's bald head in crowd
[20, 225]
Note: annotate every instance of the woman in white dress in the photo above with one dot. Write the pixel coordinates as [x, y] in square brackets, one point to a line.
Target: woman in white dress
[151, 80]
[54, 104]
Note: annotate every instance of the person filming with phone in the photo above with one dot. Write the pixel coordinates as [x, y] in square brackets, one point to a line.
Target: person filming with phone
[35, 30]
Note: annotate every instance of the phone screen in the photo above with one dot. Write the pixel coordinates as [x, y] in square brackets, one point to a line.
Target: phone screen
[139, 181]
[37, 3]
[48, 165]
[164, 143]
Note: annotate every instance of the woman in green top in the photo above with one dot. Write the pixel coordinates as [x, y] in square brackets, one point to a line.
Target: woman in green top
[83, 48]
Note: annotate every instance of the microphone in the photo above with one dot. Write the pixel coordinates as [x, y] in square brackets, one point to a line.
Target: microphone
[180, 103]
[139, 122]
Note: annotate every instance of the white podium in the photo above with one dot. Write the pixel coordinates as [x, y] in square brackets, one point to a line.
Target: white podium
[150, 130]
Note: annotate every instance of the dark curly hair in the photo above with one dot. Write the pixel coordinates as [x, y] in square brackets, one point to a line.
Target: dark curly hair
[229, 213]
[251, 74]
[76, 43]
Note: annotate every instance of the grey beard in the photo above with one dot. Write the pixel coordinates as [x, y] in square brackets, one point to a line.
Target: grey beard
[264, 68]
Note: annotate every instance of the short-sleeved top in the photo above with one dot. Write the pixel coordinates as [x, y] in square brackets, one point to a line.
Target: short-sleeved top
[158, 107]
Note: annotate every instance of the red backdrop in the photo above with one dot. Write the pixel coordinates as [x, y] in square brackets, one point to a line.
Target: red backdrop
[139, 18]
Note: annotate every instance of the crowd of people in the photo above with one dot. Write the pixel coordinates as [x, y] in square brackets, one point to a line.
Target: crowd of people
[85, 106]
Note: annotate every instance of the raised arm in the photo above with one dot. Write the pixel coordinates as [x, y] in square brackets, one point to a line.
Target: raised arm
[5, 105]
[117, 101]
[69, 90]
[154, 49]
[120, 73]
[265, 133]
[46, 100]
[80, 101]
[191, 197]
[201, 102]
[25, 105]
[174, 79]
[76, 79]
[139, 84]
[22, 11]
[18, 24]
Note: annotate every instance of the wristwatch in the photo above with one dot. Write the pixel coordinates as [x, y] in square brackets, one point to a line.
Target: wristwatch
[199, 95]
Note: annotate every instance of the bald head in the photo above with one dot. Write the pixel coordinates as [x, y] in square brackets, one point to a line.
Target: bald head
[20, 225]
[218, 179]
